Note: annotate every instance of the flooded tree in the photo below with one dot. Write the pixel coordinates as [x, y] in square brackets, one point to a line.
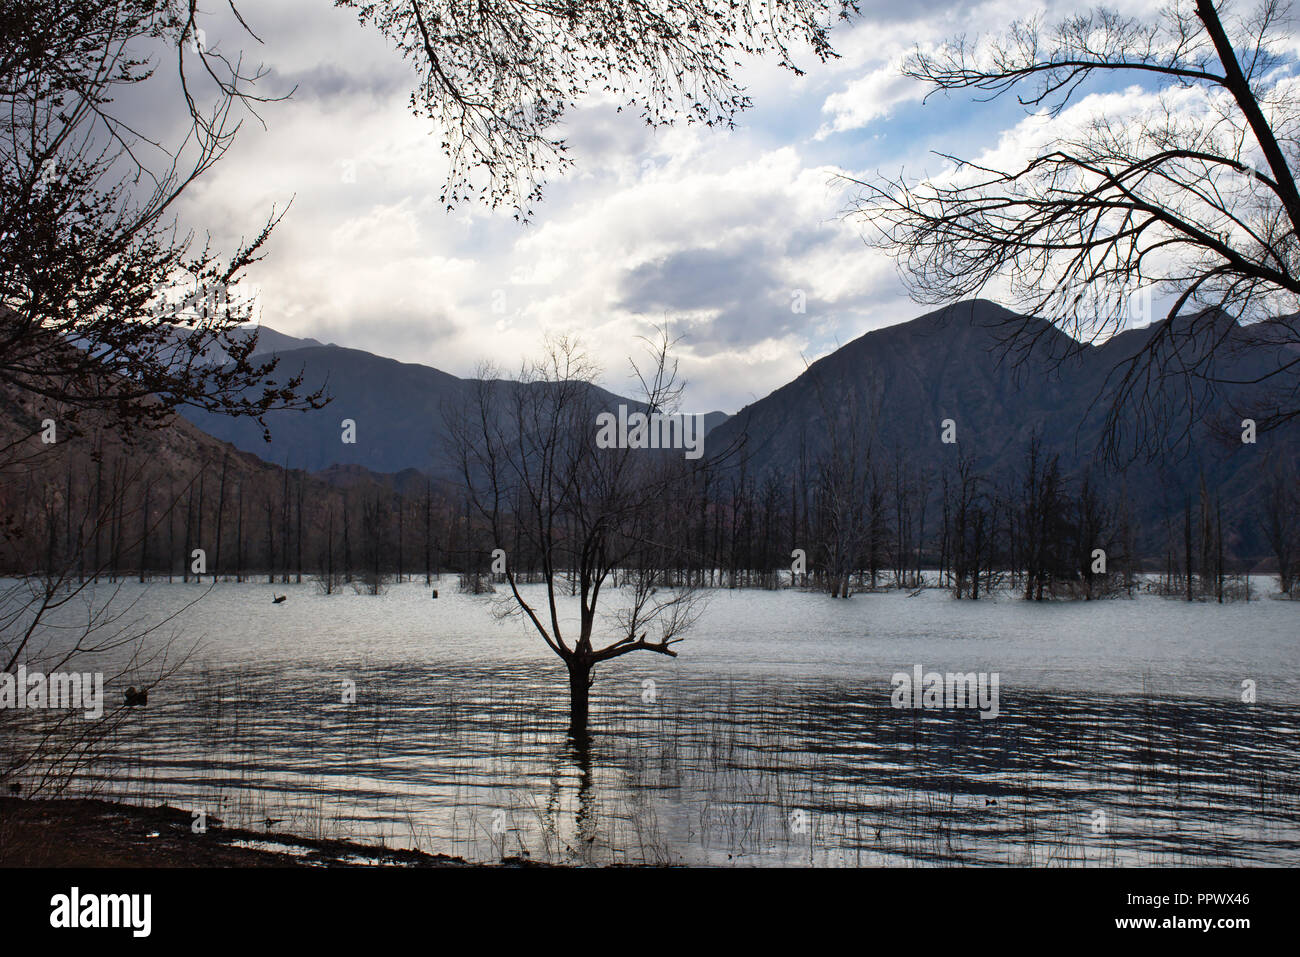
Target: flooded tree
[377, 545]
[535, 473]
[845, 522]
[56, 620]
[1281, 520]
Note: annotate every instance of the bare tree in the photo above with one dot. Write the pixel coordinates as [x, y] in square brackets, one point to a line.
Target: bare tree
[533, 468]
[57, 619]
[498, 78]
[103, 303]
[376, 545]
[970, 537]
[1196, 203]
[1281, 520]
[843, 481]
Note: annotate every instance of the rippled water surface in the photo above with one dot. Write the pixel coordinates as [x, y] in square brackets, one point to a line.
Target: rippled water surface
[1121, 737]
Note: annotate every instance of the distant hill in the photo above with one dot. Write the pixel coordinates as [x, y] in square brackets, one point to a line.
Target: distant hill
[98, 498]
[951, 364]
[398, 407]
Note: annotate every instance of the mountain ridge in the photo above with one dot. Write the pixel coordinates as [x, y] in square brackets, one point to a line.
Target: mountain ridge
[908, 379]
[397, 408]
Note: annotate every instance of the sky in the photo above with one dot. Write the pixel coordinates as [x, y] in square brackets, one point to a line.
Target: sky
[717, 234]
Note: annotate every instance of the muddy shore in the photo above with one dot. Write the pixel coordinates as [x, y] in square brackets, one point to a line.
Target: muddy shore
[93, 833]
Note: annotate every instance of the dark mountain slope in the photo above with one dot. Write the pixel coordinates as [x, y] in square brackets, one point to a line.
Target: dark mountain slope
[399, 410]
[903, 381]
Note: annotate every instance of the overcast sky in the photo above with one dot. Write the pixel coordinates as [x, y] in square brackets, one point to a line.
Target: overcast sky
[712, 231]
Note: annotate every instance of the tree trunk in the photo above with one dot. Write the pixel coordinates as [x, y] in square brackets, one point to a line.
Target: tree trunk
[144, 532]
[428, 509]
[239, 538]
[579, 690]
[221, 515]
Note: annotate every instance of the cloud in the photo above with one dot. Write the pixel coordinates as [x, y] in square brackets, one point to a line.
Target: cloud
[734, 296]
[712, 231]
[870, 98]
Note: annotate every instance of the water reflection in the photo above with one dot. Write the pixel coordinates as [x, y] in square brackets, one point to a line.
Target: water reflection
[476, 761]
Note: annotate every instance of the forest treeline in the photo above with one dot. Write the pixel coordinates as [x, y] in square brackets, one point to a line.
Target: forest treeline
[844, 521]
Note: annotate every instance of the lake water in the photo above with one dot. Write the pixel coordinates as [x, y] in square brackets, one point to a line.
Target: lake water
[1121, 738]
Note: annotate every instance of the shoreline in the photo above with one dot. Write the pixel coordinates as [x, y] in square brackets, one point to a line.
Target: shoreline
[88, 832]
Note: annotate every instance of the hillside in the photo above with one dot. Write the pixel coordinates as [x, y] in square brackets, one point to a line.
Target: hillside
[904, 380]
[399, 409]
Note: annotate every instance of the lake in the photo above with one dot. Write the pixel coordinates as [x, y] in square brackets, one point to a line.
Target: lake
[1121, 737]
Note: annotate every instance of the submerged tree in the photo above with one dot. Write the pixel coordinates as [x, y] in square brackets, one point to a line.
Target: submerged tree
[1281, 521]
[531, 462]
[1190, 193]
[844, 480]
[57, 619]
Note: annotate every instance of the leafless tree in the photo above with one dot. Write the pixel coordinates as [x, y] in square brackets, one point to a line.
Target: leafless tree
[534, 471]
[972, 533]
[61, 618]
[843, 479]
[1281, 520]
[497, 78]
[104, 304]
[1193, 199]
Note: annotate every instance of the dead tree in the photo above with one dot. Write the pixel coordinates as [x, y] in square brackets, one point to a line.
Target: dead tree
[531, 464]
[1197, 204]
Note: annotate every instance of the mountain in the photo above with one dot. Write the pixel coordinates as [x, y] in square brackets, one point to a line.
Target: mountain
[268, 340]
[99, 498]
[398, 409]
[900, 382]
[168, 489]
[903, 381]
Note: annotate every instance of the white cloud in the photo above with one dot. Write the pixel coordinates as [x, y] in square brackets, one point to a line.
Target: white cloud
[377, 263]
[870, 98]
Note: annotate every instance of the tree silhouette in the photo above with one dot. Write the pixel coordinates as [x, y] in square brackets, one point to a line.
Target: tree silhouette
[534, 471]
[1193, 198]
[498, 77]
[103, 304]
